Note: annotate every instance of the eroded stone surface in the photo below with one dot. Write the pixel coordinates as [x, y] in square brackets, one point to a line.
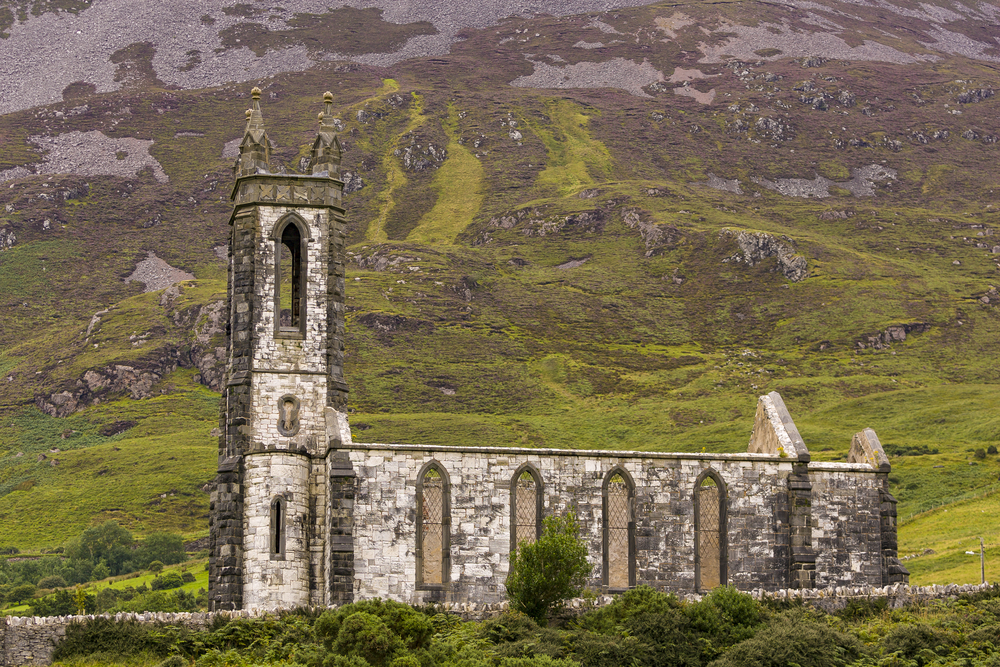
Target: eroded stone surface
[614, 73]
[90, 154]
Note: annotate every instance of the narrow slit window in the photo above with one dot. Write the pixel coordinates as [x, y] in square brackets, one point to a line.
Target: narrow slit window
[525, 509]
[277, 536]
[289, 279]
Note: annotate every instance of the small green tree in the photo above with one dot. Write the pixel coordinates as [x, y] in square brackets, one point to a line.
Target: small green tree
[21, 593]
[156, 567]
[52, 581]
[544, 573]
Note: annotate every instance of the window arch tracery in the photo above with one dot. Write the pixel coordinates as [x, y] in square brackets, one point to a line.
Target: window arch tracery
[526, 502]
[619, 529]
[433, 552]
[711, 542]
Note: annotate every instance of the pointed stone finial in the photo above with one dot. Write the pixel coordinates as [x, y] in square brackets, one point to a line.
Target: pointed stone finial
[255, 147]
[255, 119]
[326, 151]
[326, 116]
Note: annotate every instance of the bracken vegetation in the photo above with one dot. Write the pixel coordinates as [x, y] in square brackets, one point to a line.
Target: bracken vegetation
[642, 628]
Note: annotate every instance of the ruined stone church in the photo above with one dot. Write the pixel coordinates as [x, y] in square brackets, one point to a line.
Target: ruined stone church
[302, 515]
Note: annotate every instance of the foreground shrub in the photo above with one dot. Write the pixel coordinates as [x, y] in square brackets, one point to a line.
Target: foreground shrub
[544, 573]
[794, 638]
[112, 638]
[413, 628]
[910, 639]
[368, 636]
[518, 636]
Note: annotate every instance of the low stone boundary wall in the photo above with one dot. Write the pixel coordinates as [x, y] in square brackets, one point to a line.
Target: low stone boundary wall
[31, 640]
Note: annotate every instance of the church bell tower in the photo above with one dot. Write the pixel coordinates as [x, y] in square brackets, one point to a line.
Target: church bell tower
[283, 411]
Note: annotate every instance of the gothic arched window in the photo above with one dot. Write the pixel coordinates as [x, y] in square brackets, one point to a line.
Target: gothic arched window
[710, 531]
[290, 276]
[619, 529]
[433, 526]
[525, 506]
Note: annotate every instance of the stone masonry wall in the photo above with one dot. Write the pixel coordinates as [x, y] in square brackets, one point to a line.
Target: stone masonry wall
[308, 353]
[846, 525]
[758, 533]
[271, 581]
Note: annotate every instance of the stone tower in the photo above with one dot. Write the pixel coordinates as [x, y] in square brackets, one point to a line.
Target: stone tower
[283, 407]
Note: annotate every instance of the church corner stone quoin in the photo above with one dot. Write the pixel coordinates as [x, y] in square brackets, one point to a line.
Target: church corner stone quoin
[302, 515]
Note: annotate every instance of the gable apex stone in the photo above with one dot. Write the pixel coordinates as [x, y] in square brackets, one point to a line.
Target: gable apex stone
[774, 432]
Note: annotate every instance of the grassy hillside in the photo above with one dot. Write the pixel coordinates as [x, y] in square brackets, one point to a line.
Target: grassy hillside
[555, 262]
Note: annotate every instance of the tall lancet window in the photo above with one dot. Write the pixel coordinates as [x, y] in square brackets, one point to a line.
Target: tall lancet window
[525, 506]
[433, 526]
[289, 279]
[619, 530]
[710, 532]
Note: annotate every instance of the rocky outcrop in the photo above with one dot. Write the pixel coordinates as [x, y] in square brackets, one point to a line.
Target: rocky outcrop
[893, 334]
[758, 246]
[654, 236]
[201, 346]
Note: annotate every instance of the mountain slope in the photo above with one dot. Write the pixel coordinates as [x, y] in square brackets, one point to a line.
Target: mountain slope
[607, 230]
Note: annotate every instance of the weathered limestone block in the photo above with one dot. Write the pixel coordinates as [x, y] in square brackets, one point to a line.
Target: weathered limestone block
[866, 448]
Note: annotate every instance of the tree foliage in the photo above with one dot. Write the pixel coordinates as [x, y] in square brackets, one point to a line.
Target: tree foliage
[108, 542]
[544, 573]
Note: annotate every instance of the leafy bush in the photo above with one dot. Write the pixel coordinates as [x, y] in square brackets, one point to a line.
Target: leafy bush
[60, 603]
[368, 636]
[992, 449]
[538, 661]
[101, 571]
[910, 639]
[518, 636]
[166, 582]
[980, 453]
[21, 593]
[544, 573]
[52, 581]
[412, 627]
[860, 609]
[108, 542]
[188, 578]
[114, 638]
[173, 661]
[167, 548]
[158, 601]
[794, 638]
[335, 660]
[155, 567]
[597, 650]
[216, 658]
[405, 660]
